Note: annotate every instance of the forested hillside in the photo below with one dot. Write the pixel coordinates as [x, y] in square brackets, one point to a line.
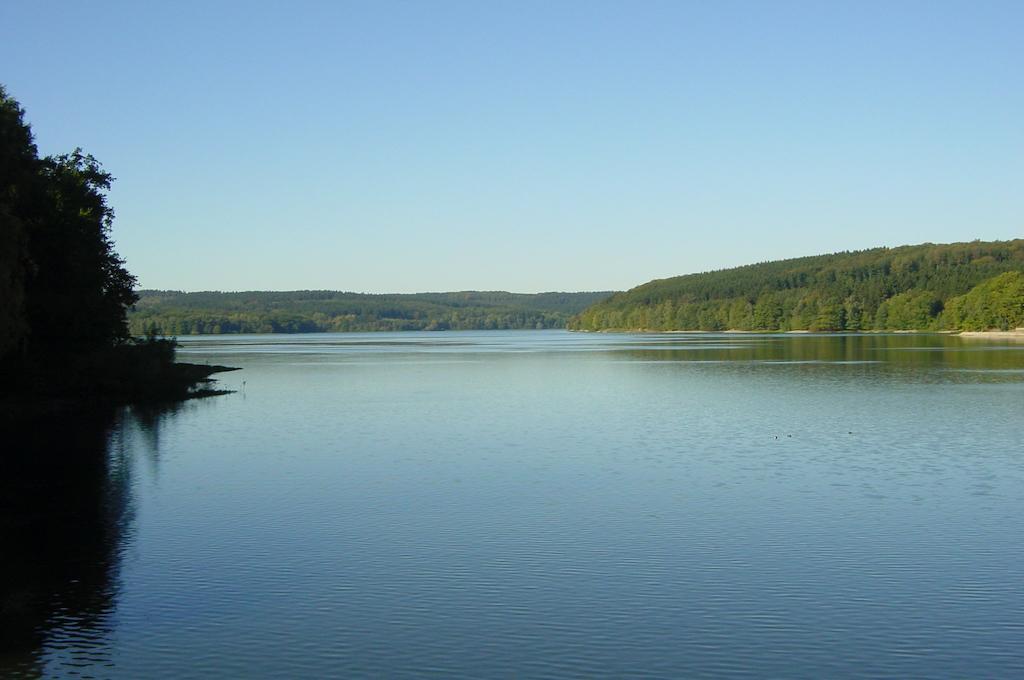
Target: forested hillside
[959, 286]
[308, 311]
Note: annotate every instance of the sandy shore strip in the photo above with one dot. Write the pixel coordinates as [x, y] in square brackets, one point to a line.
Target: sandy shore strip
[1016, 334]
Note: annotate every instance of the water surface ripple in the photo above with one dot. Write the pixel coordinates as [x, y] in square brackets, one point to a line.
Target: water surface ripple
[545, 504]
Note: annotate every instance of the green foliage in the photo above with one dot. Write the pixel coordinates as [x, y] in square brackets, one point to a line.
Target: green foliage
[913, 310]
[176, 313]
[996, 304]
[904, 288]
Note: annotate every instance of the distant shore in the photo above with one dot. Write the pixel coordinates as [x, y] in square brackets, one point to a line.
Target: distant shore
[1016, 333]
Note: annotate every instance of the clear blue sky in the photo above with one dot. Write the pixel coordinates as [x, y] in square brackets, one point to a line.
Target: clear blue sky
[527, 146]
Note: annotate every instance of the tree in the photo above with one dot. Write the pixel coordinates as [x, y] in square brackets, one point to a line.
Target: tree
[849, 290]
[994, 304]
[80, 289]
[65, 289]
[913, 310]
[18, 165]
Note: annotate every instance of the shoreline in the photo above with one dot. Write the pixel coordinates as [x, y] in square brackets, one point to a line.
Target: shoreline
[175, 383]
[1016, 333]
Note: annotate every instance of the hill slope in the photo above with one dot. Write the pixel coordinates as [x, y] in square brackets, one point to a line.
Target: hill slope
[307, 311]
[923, 287]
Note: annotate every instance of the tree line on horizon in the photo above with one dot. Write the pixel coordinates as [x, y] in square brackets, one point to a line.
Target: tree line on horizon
[64, 290]
[961, 286]
[311, 311]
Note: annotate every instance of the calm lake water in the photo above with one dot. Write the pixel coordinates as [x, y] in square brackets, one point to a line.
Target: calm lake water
[534, 504]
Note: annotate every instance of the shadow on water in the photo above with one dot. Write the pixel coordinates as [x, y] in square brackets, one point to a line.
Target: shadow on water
[66, 514]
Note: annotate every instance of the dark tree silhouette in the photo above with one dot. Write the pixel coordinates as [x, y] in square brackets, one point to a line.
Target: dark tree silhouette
[18, 166]
[79, 290]
[64, 292]
[64, 288]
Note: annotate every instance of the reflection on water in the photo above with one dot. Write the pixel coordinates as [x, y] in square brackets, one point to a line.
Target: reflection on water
[66, 516]
[66, 505]
[901, 356]
[533, 504]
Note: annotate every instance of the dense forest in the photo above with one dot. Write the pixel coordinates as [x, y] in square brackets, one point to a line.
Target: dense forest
[310, 311]
[959, 286]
